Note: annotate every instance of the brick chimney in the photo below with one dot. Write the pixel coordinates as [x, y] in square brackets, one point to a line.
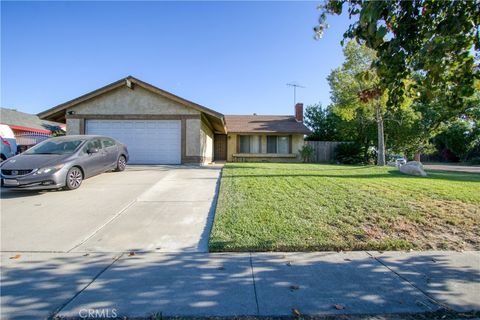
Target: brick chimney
[299, 112]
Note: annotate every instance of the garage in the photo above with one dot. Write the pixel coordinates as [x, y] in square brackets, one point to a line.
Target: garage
[157, 126]
[148, 141]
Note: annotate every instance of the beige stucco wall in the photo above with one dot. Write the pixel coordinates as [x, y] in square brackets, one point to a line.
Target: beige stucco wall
[192, 138]
[73, 126]
[231, 146]
[297, 143]
[206, 143]
[127, 101]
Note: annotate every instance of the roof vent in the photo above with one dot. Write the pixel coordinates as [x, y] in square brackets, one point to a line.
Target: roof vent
[129, 83]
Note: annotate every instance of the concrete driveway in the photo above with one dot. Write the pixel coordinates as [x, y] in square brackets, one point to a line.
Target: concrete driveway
[145, 208]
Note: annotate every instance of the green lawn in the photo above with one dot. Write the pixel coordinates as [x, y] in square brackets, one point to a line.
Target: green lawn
[294, 207]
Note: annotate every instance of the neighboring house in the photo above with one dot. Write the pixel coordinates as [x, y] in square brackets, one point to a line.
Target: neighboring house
[266, 138]
[28, 129]
[159, 127]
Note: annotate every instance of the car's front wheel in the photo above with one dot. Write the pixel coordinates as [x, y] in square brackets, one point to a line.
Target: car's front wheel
[74, 178]
[121, 163]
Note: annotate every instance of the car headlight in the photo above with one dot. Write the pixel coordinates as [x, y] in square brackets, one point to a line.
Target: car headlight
[49, 169]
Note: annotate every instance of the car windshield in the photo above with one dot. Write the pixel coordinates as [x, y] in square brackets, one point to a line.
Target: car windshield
[55, 147]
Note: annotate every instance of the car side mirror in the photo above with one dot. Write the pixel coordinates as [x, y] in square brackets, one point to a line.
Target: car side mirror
[92, 150]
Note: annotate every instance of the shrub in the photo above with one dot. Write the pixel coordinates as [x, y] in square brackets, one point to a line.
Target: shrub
[306, 152]
[475, 161]
[349, 153]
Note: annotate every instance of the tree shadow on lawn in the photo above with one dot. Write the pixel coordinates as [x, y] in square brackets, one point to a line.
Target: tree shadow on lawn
[299, 166]
[192, 284]
[467, 177]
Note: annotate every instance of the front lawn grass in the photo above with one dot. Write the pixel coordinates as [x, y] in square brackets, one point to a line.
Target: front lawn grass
[309, 207]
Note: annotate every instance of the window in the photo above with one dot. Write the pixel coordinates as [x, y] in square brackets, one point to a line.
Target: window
[244, 144]
[282, 144]
[278, 144]
[108, 143]
[92, 144]
[249, 144]
[271, 144]
[55, 146]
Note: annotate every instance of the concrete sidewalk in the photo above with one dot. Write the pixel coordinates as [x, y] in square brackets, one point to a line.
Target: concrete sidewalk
[39, 285]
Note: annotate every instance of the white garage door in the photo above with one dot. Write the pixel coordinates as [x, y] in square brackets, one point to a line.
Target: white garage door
[148, 141]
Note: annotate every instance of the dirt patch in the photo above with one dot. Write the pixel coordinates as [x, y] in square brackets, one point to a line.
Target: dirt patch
[444, 225]
[448, 225]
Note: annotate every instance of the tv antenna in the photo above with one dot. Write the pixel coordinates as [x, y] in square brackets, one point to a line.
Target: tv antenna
[295, 86]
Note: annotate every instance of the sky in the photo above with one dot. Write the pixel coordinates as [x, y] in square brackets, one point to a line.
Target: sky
[233, 57]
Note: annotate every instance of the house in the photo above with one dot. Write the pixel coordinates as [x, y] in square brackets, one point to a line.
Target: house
[28, 129]
[159, 127]
[265, 138]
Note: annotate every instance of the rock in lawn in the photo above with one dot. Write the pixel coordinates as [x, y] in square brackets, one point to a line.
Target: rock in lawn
[413, 168]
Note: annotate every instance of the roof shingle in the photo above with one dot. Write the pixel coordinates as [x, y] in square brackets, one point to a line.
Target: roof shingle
[264, 124]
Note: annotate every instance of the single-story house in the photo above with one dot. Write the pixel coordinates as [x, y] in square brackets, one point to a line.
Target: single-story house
[159, 127]
[265, 138]
[28, 129]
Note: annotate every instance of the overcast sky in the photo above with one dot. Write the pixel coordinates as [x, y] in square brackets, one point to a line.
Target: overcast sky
[233, 57]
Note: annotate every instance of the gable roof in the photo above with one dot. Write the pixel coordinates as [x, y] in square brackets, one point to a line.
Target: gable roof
[57, 113]
[23, 121]
[264, 124]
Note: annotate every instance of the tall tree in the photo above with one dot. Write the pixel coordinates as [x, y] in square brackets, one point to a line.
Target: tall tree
[355, 90]
[439, 39]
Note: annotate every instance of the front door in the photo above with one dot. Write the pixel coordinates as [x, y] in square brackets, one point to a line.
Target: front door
[220, 147]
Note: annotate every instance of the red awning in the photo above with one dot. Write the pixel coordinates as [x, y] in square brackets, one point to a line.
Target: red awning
[20, 128]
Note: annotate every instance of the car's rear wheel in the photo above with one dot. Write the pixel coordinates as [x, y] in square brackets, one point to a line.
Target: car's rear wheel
[121, 163]
[74, 178]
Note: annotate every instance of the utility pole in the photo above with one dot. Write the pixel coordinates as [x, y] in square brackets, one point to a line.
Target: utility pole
[295, 86]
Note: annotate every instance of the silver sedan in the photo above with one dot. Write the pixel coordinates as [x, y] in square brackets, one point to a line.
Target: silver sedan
[63, 162]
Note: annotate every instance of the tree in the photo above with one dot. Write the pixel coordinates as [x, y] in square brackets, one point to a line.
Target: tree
[461, 137]
[328, 126]
[438, 39]
[355, 91]
[325, 125]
